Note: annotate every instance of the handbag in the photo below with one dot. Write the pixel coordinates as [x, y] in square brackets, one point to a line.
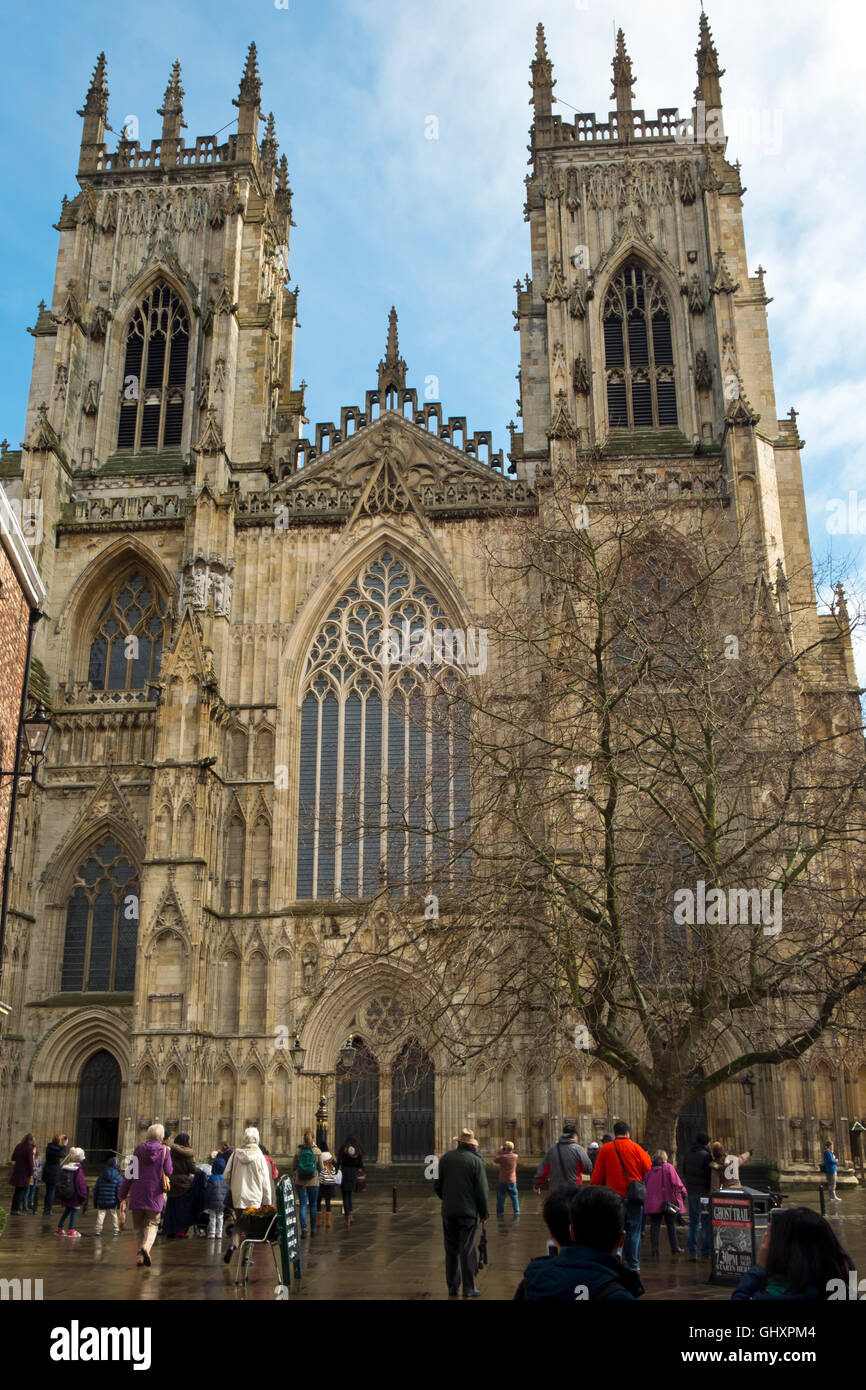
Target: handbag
[166, 1180]
[361, 1182]
[635, 1190]
[669, 1207]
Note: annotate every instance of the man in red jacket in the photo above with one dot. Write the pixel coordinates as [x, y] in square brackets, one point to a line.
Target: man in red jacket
[619, 1163]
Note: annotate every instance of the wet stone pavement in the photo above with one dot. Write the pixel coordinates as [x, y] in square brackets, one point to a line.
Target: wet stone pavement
[385, 1255]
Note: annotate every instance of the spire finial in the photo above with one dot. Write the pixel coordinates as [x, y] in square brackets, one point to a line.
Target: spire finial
[709, 89]
[392, 369]
[247, 102]
[623, 81]
[95, 113]
[172, 106]
[96, 101]
[542, 83]
[269, 146]
[251, 85]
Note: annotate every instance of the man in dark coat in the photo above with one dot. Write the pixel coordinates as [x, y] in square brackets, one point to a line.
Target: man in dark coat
[697, 1175]
[462, 1185]
[55, 1153]
[586, 1267]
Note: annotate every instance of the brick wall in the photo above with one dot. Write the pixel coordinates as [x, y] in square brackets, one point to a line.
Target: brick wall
[14, 620]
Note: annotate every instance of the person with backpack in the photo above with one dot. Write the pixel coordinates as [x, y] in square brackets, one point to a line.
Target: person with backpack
[830, 1167]
[145, 1184]
[564, 1163]
[105, 1196]
[216, 1192]
[622, 1165]
[55, 1152]
[350, 1162]
[586, 1269]
[307, 1169]
[71, 1192]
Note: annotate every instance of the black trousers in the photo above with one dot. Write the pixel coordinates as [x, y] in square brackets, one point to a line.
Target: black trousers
[655, 1220]
[461, 1257]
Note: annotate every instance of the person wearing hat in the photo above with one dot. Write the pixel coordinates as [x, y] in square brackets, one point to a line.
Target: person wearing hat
[593, 1152]
[329, 1180]
[506, 1161]
[461, 1185]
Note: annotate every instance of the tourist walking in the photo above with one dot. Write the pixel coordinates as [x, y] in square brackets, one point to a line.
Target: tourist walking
[564, 1163]
[105, 1197]
[23, 1165]
[462, 1185]
[725, 1168]
[697, 1176]
[799, 1258]
[330, 1180]
[665, 1201]
[506, 1161]
[622, 1165]
[830, 1167]
[249, 1178]
[350, 1161]
[307, 1168]
[55, 1153]
[216, 1194]
[586, 1267]
[71, 1192]
[185, 1190]
[144, 1187]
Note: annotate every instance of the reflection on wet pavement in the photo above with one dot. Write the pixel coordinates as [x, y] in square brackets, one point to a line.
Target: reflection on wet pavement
[385, 1255]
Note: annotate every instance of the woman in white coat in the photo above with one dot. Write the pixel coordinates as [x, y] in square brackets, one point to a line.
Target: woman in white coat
[250, 1180]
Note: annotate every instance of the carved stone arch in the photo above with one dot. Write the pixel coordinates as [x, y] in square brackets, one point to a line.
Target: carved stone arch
[106, 812]
[87, 596]
[62, 1052]
[185, 832]
[636, 247]
[169, 913]
[115, 349]
[264, 745]
[328, 1021]
[237, 749]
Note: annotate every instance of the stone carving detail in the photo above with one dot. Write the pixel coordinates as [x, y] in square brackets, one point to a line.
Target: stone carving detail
[310, 968]
[572, 189]
[61, 381]
[91, 399]
[696, 297]
[143, 212]
[204, 393]
[687, 184]
[576, 306]
[99, 324]
[703, 375]
[722, 281]
[384, 1017]
[207, 582]
[581, 378]
[556, 285]
[637, 182]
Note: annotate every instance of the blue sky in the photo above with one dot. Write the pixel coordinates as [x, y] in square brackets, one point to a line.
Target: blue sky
[385, 215]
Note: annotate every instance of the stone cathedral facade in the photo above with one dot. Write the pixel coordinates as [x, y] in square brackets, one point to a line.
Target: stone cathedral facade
[212, 574]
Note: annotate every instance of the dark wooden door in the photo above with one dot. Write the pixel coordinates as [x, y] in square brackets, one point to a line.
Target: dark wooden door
[692, 1121]
[413, 1099]
[356, 1114]
[99, 1107]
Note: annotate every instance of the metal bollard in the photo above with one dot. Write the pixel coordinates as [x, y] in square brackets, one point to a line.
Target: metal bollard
[821, 1190]
[393, 1199]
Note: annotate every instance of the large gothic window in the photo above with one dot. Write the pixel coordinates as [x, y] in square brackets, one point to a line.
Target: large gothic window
[102, 923]
[384, 782]
[126, 649]
[638, 352]
[154, 372]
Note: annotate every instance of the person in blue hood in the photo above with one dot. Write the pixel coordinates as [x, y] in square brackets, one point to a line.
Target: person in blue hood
[215, 1195]
[587, 1224]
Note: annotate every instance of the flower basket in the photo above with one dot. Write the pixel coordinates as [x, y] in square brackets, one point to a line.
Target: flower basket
[253, 1224]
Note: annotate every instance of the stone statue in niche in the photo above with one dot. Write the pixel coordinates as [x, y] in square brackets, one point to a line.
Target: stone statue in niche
[310, 968]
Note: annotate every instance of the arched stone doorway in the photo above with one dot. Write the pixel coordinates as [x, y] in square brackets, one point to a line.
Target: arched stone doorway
[99, 1106]
[356, 1112]
[413, 1105]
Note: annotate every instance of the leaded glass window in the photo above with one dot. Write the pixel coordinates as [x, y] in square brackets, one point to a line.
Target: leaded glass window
[127, 647]
[102, 923]
[154, 372]
[638, 352]
[384, 779]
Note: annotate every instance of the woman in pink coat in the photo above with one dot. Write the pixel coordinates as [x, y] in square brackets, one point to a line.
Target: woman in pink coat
[665, 1196]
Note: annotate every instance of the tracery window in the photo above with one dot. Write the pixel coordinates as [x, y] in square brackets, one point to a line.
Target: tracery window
[638, 352]
[126, 649]
[384, 781]
[102, 922]
[154, 372]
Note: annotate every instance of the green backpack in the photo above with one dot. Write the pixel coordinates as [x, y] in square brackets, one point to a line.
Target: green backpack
[307, 1165]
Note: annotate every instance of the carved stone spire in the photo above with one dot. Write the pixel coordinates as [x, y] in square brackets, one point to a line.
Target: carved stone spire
[95, 113]
[622, 84]
[247, 101]
[392, 369]
[543, 81]
[172, 107]
[709, 89]
[269, 146]
[283, 192]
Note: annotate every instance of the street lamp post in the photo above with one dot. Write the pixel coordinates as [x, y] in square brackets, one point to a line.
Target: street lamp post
[298, 1054]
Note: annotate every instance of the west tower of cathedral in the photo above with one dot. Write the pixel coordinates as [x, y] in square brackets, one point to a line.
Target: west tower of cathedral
[200, 849]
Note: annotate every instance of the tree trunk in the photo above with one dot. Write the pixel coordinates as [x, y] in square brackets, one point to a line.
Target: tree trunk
[660, 1126]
